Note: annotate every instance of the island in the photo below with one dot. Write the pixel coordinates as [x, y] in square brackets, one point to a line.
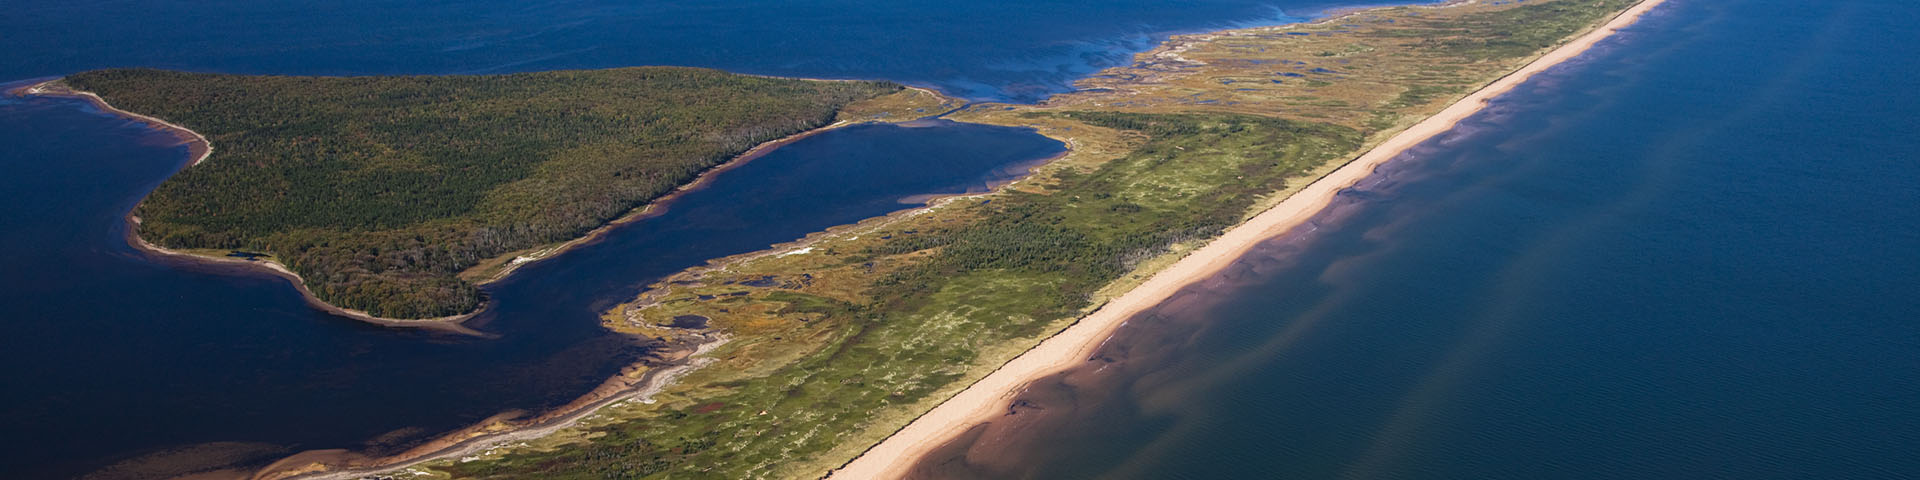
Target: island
[897, 331]
[392, 198]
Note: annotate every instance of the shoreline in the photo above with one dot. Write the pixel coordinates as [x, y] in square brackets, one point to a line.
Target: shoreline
[199, 148]
[660, 205]
[981, 401]
[159, 254]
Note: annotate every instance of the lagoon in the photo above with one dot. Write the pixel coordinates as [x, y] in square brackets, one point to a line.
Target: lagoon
[132, 356]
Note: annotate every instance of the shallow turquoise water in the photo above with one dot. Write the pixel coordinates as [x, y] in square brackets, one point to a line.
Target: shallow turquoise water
[1693, 253]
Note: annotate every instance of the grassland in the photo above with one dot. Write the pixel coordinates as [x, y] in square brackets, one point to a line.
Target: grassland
[380, 191]
[842, 338]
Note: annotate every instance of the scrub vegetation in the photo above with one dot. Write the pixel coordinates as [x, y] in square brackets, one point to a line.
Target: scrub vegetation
[1027, 260]
[379, 191]
[838, 340]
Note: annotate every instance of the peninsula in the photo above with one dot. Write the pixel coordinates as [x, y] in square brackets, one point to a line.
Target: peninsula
[1204, 145]
[390, 199]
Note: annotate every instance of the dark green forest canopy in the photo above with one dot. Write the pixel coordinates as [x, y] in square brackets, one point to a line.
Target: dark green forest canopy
[379, 190]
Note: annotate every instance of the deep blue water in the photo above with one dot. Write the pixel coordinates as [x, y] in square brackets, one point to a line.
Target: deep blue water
[1694, 253]
[977, 49]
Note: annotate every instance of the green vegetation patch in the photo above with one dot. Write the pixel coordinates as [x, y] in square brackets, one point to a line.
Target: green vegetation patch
[1514, 32]
[378, 190]
[1029, 263]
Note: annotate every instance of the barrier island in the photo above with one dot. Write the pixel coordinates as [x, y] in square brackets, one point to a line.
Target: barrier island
[843, 339]
[392, 197]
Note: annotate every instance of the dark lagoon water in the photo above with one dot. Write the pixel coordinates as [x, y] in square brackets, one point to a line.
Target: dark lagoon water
[1694, 253]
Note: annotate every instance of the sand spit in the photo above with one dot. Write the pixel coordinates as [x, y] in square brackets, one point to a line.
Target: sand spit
[480, 439]
[198, 148]
[985, 399]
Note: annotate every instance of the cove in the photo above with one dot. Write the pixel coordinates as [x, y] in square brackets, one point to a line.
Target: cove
[1691, 254]
[118, 355]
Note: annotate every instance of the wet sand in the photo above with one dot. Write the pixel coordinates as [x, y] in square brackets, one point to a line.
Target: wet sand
[960, 420]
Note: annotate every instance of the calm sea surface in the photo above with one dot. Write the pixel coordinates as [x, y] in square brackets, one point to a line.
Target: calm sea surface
[111, 356]
[994, 49]
[1694, 253]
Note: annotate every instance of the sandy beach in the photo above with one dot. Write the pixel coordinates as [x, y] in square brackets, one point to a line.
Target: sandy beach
[198, 148]
[986, 399]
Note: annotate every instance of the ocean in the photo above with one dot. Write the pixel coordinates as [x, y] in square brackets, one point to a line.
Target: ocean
[1692, 253]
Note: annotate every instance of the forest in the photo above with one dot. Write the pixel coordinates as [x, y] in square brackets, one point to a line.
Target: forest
[378, 191]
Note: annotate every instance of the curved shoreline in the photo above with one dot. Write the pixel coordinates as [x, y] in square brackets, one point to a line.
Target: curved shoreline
[659, 206]
[449, 324]
[199, 148]
[980, 402]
